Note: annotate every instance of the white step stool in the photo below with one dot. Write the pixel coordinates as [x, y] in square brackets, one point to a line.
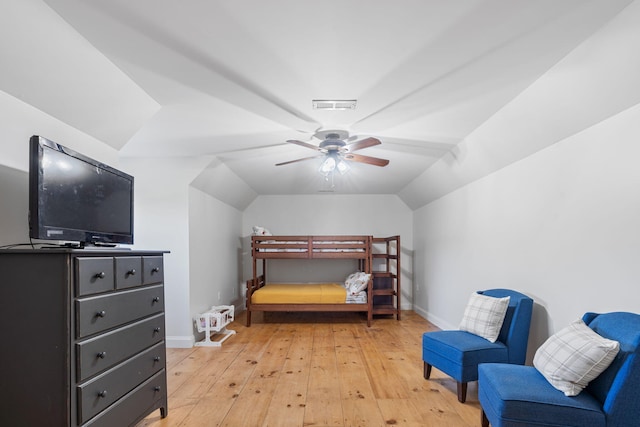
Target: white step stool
[214, 322]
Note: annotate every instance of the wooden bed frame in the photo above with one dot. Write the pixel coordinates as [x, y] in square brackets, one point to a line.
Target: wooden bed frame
[309, 247]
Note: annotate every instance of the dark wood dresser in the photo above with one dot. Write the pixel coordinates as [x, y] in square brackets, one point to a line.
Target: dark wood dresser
[83, 337]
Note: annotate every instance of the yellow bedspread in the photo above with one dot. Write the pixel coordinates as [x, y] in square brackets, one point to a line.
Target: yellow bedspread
[300, 293]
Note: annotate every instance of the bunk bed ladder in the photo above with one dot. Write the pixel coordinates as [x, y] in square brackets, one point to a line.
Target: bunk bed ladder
[386, 279]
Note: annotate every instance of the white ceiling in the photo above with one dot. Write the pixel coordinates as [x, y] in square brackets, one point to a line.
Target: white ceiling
[235, 79]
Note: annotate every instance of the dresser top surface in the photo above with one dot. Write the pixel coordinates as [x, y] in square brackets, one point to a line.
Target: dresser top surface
[83, 252]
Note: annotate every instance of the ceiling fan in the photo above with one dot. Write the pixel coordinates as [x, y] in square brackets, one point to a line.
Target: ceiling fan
[337, 151]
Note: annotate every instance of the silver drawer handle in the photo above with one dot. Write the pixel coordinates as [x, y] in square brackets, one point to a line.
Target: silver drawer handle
[102, 393]
[131, 272]
[157, 388]
[156, 299]
[155, 270]
[156, 359]
[101, 313]
[100, 275]
[156, 330]
[102, 355]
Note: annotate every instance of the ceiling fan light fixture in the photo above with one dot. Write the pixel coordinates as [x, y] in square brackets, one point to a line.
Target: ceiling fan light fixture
[328, 165]
[333, 163]
[342, 167]
[334, 104]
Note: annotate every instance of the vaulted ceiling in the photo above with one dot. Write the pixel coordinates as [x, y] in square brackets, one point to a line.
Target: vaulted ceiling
[234, 80]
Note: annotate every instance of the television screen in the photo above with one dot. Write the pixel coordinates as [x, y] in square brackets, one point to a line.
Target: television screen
[75, 198]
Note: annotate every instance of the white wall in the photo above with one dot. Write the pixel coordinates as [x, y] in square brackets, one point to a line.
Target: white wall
[595, 81]
[19, 122]
[162, 223]
[14, 205]
[331, 214]
[560, 226]
[223, 184]
[215, 254]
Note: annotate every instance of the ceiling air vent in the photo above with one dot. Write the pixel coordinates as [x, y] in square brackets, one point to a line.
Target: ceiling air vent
[333, 104]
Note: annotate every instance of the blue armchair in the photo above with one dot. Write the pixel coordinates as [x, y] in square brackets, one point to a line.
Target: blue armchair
[520, 396]
[458, 353]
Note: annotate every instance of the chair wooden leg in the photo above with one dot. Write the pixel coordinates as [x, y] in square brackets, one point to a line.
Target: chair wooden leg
[462, 392]
[427, 371]
[484, 421]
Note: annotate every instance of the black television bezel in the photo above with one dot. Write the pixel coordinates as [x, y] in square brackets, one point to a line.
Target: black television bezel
[38, 230]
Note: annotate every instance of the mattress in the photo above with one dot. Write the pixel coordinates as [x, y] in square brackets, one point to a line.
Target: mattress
[302, 246]
[300, 293]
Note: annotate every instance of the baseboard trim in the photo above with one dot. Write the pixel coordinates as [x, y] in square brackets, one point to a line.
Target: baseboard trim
[437, 321]
[180, 341]
[420, 311]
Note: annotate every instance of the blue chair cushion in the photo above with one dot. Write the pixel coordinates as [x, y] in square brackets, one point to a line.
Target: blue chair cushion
[458, 353]
[515, 395]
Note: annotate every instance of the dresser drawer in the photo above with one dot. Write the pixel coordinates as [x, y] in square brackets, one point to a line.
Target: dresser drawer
[128, 272]
[149, 394]
[94, 275]
[153, 270]
[97, 394]
[102, 352]
[102, 312]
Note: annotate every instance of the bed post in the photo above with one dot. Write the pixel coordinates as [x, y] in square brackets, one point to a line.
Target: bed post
[370, 302]
[369, 270]
[250, 286]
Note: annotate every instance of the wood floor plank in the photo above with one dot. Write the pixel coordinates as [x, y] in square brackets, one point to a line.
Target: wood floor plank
[401, 412]
[288, 404]
[213, 408]
[252, 405]
[362, 413]
[323, 406]
[385, 383]
[359, 403]
[313, 369]
[198, 384]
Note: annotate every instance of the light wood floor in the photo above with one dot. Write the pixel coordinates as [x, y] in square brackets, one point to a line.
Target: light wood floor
[313, 369]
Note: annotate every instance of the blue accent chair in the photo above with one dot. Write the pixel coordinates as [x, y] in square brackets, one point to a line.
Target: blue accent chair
[458, 353]
[520, 396]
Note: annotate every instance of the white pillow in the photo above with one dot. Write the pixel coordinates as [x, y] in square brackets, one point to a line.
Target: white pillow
[574, 356]
[357, 282]
[260, 231]
[484, 316]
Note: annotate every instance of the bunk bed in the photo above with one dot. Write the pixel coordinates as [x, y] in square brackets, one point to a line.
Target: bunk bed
[264, 248]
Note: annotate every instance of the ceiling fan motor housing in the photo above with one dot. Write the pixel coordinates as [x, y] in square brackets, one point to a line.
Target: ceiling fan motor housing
[332, 142]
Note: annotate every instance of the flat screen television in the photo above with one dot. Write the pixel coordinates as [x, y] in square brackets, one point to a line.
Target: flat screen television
[76, 199]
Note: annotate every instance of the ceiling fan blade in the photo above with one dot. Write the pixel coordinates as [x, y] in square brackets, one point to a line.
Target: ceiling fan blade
[364, 143]
[304, 144]
[366, 159]
[298, 160]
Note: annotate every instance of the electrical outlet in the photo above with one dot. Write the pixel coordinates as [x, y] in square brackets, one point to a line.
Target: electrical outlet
[218, 296]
